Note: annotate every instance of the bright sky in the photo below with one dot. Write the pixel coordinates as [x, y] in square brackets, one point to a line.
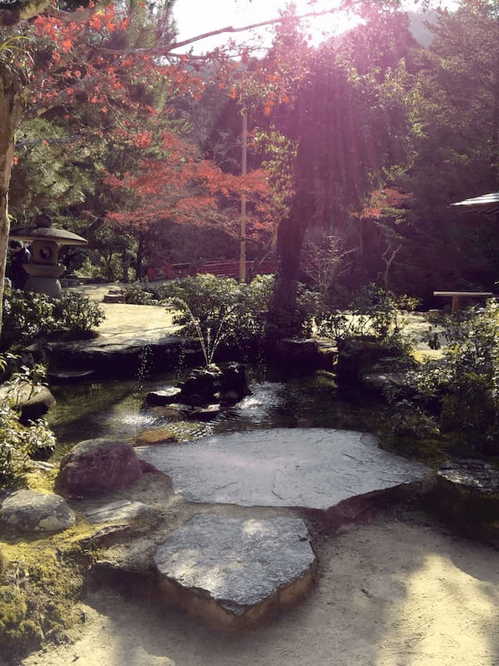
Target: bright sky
[198, 16]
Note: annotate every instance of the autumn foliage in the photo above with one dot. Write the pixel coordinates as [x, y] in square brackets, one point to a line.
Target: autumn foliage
[88, 71]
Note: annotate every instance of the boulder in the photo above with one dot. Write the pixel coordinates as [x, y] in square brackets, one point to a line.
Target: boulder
[206, 413]
[32, 511]
[200, 386]
[122, 354]
[69, 376]
[174, 412]
[98, 467]
[234, 571]
[380, 382]
[302, 352]
[33, 401]
[114, 296]
[212, 385]
[233, 384]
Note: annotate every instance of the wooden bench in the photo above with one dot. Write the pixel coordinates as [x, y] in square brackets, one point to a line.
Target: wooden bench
[457, 296]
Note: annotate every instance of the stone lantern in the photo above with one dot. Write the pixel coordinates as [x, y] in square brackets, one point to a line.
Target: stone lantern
[44, 270]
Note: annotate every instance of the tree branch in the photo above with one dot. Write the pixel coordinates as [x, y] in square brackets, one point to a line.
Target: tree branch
[166, 50]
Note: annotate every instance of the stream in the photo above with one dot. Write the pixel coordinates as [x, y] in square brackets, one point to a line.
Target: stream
[114, 408]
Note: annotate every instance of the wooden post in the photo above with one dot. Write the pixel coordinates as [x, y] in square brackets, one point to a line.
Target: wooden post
[456, 303]
[244, 171]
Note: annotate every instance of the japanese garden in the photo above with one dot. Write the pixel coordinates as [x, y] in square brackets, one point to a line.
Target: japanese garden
[249, 317]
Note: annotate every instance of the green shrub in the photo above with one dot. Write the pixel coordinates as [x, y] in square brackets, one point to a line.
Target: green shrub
[19, 442]
[460, 392]
[28, 315]
[373, 312]
[220, 311]
[76, 314]
[136, 294]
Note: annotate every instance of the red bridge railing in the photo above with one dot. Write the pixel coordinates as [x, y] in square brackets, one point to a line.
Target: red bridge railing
[219, 268]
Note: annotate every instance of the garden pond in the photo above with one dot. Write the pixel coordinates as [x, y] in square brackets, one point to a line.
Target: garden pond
[115, 408]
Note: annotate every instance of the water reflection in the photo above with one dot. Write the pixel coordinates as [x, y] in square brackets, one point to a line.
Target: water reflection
[115, 409]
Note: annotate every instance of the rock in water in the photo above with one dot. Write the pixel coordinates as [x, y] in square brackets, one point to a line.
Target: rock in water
[163, 397]
[234, 571]
[97, 467]
[31, 511]
[312, 468]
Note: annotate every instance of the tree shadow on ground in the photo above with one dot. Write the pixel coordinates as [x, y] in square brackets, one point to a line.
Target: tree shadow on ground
[390, 593]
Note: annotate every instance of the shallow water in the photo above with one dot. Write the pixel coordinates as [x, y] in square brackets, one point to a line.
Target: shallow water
[113, 408]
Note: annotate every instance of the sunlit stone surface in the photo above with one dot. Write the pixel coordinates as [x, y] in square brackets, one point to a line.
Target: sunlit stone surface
[313, 468]
[233, 571]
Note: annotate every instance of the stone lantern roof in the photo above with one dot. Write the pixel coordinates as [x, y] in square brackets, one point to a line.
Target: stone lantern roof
[43, 233]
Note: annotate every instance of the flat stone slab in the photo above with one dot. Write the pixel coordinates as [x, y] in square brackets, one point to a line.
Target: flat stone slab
[312, 468]
[233, 571]
[121, 354]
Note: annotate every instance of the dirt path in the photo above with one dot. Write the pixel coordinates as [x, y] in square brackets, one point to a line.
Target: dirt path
[392, 593]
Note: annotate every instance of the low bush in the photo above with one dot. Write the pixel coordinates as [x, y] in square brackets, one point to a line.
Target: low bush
[459, 393]
[76, 314]
[220, 311]
[19, 442]
[136, 294]
[28, 315]
[373, 313]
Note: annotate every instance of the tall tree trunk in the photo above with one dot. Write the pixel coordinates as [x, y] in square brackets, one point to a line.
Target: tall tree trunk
[282, 318]
[139, 259]
[10, 115]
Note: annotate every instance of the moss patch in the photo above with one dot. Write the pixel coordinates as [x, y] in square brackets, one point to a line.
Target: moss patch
[40, 582]
[39, 585]
[42, 481]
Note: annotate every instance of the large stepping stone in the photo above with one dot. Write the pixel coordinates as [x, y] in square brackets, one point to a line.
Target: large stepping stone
[312, 468]
[234, 571]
